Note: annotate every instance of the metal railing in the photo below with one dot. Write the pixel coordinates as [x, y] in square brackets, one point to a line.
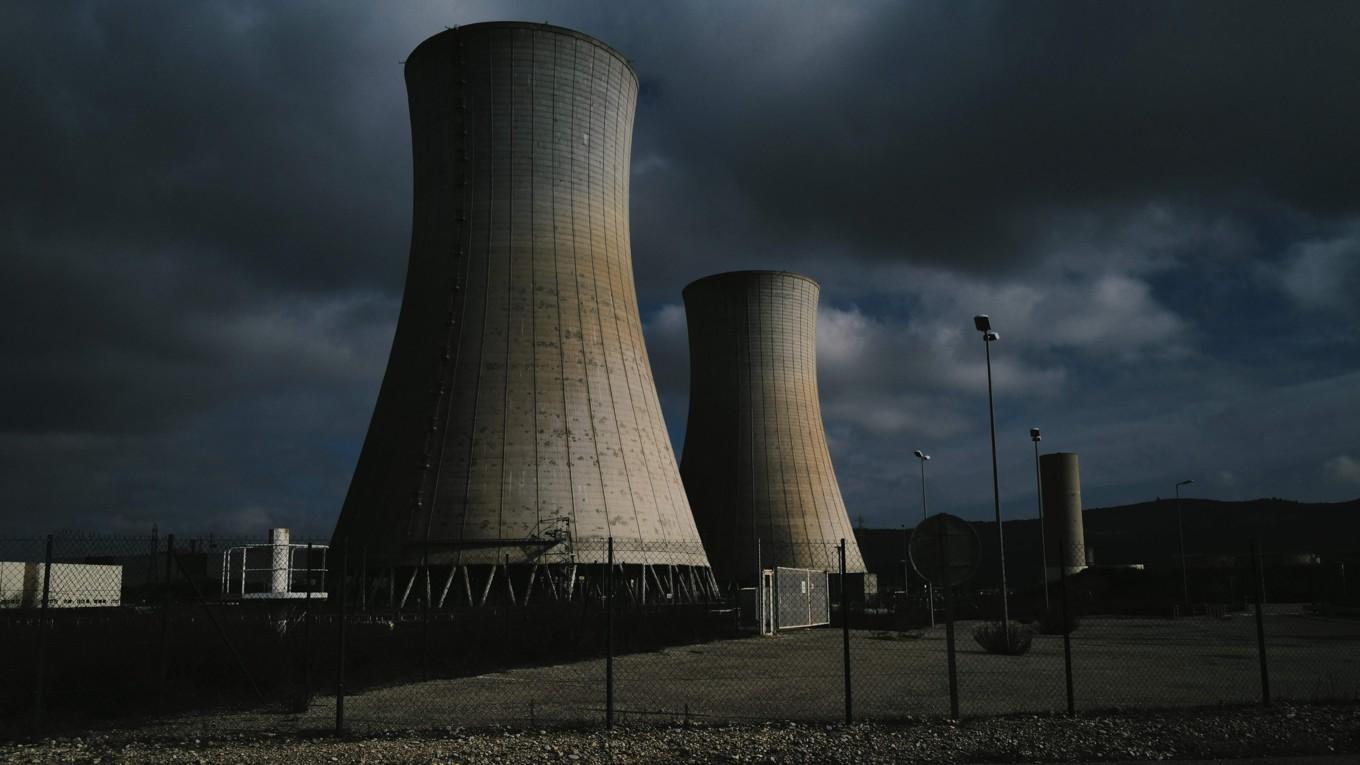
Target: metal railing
[278, 577]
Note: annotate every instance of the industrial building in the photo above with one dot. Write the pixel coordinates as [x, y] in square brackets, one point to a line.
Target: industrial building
[518, 425]
[69, 585]
[755, 461]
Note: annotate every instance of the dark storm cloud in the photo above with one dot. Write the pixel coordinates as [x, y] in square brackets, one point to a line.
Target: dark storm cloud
[216, 129]
[205, 218]
[179, 166]
[951, 131]
[199, 221]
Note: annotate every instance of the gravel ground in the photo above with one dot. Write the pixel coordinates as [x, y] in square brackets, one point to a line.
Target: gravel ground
[1120, 736]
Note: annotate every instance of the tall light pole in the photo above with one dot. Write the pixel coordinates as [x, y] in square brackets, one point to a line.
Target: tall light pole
[923, 458]
[1039, 492]
[983, 324]
[1180, 531]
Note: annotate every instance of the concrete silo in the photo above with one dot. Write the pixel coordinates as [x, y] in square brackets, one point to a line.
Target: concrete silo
[755, 462]
[518, 425]
[1060, 478]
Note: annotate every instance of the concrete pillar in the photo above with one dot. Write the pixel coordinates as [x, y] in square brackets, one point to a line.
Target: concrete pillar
[279, 560]
[1060, 474]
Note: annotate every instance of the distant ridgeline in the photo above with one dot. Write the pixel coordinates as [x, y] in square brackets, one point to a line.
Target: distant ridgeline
[1146, 533]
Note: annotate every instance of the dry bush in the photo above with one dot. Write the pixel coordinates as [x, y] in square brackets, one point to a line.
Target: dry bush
[1012, 640]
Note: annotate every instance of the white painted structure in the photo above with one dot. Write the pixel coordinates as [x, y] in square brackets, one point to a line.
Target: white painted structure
[276, 570]
[72, 585]
[792, 598]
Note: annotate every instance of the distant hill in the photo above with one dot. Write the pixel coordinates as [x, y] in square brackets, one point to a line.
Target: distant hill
[1146, 533]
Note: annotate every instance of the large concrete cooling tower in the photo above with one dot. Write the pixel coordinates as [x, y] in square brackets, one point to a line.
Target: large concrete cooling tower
[1060, 479]
[755, 463]
[518, 425]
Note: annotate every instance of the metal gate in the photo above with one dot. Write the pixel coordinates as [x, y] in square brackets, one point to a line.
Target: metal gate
[801, 598]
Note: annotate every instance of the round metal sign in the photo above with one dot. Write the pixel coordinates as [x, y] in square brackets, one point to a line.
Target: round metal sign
[945, 550]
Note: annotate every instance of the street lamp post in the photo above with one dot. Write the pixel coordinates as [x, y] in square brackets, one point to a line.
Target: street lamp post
[923, 458]
[983, 324]
[1039, 492]
[1180, 531]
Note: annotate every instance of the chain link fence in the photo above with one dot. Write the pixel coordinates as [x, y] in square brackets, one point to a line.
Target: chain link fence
[204, 635]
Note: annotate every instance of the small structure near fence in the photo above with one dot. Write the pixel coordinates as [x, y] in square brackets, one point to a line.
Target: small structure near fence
[792, 598]
[72, 585]
[277, 570]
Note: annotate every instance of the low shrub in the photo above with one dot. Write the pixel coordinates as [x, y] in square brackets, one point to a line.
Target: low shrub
[1012, 639]
[1051, 622]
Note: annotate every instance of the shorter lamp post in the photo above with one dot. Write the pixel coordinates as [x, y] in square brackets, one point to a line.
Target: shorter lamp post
[983, 323]
[1039, 492]
[923, 458]
[1180, 531]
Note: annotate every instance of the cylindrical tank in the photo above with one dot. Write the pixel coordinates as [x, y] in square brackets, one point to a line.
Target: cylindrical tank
[518, 424]
[1064, 535]
[755, 462]
[280, 561]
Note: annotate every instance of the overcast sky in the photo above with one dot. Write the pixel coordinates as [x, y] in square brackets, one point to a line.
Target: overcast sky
[205, 219]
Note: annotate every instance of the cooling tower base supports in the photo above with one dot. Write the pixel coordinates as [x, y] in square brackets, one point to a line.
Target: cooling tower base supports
[474, 586]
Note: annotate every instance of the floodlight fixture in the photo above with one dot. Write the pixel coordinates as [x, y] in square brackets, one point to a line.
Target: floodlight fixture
[1034, 435]
[983, 322]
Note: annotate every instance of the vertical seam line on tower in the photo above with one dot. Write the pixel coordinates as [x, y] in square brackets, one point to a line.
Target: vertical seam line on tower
[750, 367]
[506, 382]
[533, 270]
[486, 287]
[591, 181]
[561, 340]
[618, 326]
[816, 479]
[788, 369]
[453, 338]
[576, 272]
[775, 369]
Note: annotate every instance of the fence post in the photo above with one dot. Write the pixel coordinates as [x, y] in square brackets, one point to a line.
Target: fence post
[845, 636]
[217, 627]
[1067, 618]
[307, 635]
[165, 618]
[151, 555]
[44, 627]
[951, 659]
[340, 640]
[609, 639]
[1260, 623]
[424, 594]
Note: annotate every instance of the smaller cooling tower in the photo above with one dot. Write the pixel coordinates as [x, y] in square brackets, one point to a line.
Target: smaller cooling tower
[755, 463]
[1060, 476]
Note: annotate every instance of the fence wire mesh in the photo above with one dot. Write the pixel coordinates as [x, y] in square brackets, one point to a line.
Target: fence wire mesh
[208, 634]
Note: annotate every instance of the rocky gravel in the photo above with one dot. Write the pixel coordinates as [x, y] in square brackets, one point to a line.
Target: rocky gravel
[1115, 736]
